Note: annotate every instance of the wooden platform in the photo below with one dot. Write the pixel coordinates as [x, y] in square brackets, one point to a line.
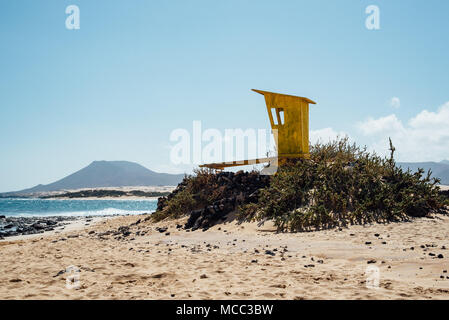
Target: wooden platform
[222, 165]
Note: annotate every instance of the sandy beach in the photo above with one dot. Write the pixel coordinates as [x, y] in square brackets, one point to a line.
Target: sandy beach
[229, 261]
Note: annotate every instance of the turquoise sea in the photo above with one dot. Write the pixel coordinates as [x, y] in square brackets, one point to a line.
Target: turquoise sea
[47, 207]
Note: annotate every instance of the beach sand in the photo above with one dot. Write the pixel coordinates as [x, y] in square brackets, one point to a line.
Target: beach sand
[223, 262]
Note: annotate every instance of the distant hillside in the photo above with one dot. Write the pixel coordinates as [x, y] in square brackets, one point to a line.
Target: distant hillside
[439, 169]
[108, 174]
[100, 174]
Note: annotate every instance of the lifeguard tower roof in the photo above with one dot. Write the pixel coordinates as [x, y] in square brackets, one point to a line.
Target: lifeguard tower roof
[285, 95]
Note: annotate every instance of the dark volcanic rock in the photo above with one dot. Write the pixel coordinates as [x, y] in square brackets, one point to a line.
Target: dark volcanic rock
[208, 216]
[14, 226]
[38, 226]
[194, 215]
[124, 230]
[161, 229]
[235, 188]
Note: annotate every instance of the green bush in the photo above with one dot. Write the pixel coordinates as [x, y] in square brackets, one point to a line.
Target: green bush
[342, 184]
[181, 203]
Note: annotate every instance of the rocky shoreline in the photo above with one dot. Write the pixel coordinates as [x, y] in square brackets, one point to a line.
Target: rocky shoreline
[106, 193]
[16, 226]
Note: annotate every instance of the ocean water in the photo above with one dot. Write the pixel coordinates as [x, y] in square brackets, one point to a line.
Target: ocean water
[59, 207]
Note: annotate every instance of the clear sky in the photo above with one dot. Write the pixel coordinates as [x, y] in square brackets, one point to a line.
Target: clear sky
[136, 70]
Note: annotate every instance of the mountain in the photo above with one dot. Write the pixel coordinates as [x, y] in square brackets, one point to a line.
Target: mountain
[108, 174]
[439, 169]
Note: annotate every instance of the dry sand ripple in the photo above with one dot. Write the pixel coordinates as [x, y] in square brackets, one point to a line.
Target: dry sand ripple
[229, 261]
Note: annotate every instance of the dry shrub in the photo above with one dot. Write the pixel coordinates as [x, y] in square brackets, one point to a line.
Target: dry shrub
[342, 184]
[202, 189]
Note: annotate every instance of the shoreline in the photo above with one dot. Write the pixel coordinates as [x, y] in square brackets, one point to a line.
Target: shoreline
[19, 227]
[131, 198]
[68, 226]
[132, 192]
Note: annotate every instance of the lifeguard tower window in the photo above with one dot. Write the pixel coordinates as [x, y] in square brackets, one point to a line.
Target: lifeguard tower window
[273, 115]
[281, 115]
[277, 114]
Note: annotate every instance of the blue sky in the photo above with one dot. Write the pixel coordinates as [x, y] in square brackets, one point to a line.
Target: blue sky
[136, 70]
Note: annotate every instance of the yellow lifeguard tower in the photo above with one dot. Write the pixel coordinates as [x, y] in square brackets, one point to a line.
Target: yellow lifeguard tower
[289, 119]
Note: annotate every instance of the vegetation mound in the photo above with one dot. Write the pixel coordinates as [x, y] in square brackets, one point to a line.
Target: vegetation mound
[340, 184]
[209, 197]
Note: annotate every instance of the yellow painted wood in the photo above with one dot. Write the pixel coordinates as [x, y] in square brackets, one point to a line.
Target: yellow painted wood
[222, 165]
[292, 133]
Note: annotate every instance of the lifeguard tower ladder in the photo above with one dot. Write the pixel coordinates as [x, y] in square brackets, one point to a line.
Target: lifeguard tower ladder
[289, 119]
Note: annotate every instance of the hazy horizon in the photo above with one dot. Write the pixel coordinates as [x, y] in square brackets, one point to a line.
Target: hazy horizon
[446, 162]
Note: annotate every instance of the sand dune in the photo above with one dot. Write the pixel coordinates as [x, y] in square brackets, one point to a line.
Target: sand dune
[230, 262]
